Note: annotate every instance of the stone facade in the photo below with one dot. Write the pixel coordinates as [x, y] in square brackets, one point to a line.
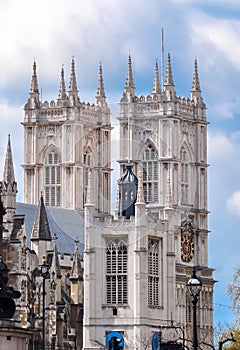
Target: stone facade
[163, 137]
[62, 140]
[136, 263]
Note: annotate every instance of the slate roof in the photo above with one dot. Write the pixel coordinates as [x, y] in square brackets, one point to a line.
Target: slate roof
[67, 224]
[41, 229]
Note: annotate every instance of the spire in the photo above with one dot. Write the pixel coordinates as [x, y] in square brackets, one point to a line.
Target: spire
[8, 189]
[62, 89]
[55, 259]
[100, 98]
[34, 84]
[169, 77]
[41, 230]
[196, 90]
[73, 91]
[77, 267]
[195, 83]
[34, 95]
[156, 83]
[168, 85]
[128, 186]
[8, 172]
[129, 86]
[73, 81]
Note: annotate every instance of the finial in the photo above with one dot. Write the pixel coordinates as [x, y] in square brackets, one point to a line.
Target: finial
[195, 83]
[62, 89]
[100, 97]
[34, 83]
[196, 95]
[140, 195]
[129, 86]
[8, 172]
[73, 81]
[169, 77]
[76, 268]
[156, 83]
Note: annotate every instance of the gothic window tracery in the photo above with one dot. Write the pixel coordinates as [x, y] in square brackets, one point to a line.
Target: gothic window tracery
[116, 273]
[153, 272]
[150, 174]
[52, 179]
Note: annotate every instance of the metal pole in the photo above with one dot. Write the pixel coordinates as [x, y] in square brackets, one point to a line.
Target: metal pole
[43, 315]
[195, 340]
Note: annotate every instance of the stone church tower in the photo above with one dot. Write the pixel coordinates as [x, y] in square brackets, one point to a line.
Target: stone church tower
[63, 141]
[137, 263]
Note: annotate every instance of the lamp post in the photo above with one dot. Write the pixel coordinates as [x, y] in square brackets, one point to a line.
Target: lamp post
[44, 272]
[194, 286]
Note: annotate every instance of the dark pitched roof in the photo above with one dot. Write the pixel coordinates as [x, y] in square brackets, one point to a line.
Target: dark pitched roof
[67, 224]
[41, 230]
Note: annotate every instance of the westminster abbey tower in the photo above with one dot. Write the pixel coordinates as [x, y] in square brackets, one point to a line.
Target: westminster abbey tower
[121, 276]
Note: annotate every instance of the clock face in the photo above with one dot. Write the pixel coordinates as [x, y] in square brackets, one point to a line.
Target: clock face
[187, 248]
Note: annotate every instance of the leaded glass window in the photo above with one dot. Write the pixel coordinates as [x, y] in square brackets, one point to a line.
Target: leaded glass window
[116, 273]
[150, 174]
[52, 179]
[153, 272]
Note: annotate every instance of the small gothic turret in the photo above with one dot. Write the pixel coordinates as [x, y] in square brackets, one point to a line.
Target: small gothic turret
[41, 235]
[34, 96]
[73, 91]
[62, 89]
[34, 84]
[196, 94]
[128, 186]
[77, 272]
[100, 97]
[129, 86]
[56, 271]
[76, 277]
[9, 189]
[55, 266]
[156, 84]
[168, 85]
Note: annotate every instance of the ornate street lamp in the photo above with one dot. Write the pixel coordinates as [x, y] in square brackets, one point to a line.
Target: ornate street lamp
[44, 272]
[194, 286]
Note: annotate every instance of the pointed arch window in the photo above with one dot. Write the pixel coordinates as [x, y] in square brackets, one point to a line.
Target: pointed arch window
[153, 272]
[116, 273]
[185, 171]
[150, 174]
[87, 163]
[52, 179]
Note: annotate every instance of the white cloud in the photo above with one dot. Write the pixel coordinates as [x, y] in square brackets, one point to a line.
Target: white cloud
[225, 110]
[220, 35]
[220, 147]
[233, 203]
[10, 119]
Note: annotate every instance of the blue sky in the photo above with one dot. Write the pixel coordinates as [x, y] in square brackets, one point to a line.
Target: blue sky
[107, 31]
